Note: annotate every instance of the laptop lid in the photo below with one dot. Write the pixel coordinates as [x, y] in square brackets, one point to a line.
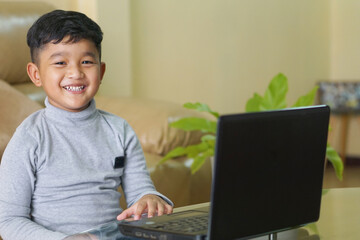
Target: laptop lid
[268, 175]
[268, 171]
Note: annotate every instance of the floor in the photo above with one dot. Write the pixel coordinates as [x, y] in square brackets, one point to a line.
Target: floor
[351, 177]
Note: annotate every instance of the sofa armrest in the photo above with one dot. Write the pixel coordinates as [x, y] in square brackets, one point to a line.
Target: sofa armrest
[15, 107]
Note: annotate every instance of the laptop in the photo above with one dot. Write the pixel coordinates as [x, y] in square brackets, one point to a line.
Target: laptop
[268, 174]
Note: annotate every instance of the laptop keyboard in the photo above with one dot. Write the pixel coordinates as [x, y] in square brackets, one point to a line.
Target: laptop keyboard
[189, 224]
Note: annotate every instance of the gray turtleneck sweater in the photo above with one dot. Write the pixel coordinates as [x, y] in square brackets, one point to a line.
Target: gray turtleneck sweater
[60, 172]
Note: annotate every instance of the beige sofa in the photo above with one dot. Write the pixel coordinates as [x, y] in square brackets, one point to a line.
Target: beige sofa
[149, 118]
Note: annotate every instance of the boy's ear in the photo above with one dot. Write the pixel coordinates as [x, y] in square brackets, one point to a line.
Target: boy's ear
[102, 70]
[33, 72]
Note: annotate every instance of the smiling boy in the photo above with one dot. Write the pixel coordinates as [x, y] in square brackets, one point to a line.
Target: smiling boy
[70, 73]
[60, 172]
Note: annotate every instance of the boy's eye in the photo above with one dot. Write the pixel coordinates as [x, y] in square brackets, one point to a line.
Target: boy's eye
[60, 63]
[87, 62]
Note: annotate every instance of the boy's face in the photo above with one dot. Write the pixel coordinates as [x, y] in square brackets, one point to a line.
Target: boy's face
[70, 73]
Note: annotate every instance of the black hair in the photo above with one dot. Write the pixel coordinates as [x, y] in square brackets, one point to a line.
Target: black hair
[58, 24]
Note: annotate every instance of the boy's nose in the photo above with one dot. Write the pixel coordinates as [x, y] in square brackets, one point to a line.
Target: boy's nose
[75, 73]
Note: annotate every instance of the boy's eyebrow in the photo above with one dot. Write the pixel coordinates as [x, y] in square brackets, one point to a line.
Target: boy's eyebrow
[57, 54]
[60, 54]
[91, 54]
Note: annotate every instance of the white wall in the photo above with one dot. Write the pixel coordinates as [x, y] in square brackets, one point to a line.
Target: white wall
[114, 19]
[345, 40]
[221, 52]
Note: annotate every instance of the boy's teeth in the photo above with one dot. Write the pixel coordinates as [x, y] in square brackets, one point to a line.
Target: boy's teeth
[74, 88]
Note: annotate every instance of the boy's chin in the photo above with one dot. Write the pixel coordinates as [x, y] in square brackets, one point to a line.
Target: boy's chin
[71, 107]
[78, 108]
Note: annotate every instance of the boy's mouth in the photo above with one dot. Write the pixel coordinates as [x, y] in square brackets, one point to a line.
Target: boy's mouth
[74, 88]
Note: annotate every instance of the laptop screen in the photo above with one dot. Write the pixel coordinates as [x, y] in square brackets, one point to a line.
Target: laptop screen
[268, 171]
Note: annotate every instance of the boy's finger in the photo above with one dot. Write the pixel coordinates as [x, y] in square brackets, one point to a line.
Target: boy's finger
[160, 209]
[125, 214]
[151, 208]
[169, 209]
[140, 208]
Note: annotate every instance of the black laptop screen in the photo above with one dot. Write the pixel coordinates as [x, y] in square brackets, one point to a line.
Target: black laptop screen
[268, 171]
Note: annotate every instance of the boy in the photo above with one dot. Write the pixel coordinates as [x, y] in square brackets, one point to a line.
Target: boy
[60, 172]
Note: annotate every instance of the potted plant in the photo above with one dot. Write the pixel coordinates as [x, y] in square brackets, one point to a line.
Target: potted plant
[274, 98]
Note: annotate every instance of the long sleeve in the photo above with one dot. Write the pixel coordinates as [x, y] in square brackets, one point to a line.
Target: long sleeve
[136, 181]
[17, 181]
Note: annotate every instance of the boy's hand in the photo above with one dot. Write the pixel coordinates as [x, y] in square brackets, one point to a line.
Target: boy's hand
[150, 204]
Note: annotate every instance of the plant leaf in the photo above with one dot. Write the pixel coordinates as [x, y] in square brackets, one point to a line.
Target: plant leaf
[275, 94]
[253, 104]
[198, 152]
[193, 124]
[209, 140]
[200, 159]
[336, 161]
[194, 150]
[191, 151]
[201, 107]
[308, 99]
[176, 152]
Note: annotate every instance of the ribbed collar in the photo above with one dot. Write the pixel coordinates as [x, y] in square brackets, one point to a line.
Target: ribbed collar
[75, 119]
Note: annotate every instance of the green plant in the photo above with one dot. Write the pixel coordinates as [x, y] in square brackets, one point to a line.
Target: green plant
[274, 98]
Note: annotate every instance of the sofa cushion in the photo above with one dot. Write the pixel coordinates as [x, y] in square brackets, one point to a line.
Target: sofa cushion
[150, 120]
[14, 108]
